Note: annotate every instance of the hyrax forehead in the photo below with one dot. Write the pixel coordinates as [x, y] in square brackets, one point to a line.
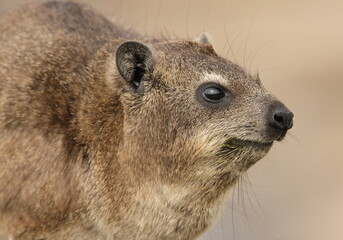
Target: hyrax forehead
[180, 68]
[189, 64]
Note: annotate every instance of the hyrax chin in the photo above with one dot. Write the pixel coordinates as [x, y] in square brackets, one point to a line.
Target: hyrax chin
[105, 134]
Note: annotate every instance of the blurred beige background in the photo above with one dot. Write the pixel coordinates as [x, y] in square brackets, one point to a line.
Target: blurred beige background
[296, 192]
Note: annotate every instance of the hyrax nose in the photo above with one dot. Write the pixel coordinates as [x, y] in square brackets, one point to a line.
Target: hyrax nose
[281, 118]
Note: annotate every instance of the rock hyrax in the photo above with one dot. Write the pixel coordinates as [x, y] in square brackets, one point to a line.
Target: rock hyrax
[106, 134]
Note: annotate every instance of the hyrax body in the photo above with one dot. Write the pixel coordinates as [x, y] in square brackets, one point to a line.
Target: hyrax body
[107, 135]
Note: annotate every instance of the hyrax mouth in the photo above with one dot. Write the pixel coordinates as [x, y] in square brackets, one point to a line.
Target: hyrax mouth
[236, 144]
[243, 153]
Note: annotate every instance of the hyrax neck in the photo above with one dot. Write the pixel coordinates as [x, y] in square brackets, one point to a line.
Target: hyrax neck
[156, 209]
[166, 211]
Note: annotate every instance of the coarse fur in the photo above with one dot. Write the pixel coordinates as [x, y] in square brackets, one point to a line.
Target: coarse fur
[86, 155]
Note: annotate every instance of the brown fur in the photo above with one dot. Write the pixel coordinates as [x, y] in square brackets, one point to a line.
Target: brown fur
[83, 156]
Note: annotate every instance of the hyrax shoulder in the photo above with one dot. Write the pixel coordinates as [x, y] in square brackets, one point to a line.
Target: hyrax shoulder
[105, 134]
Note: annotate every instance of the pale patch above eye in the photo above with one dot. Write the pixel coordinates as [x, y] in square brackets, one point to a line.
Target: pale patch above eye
[213, 95]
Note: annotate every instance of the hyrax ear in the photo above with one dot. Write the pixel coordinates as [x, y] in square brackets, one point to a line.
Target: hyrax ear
[134, 61]
[204, 38]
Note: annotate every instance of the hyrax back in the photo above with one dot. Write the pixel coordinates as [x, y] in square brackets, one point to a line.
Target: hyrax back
[107, 135]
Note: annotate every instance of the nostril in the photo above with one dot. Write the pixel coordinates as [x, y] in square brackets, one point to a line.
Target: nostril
[278, 117]
[283, 119]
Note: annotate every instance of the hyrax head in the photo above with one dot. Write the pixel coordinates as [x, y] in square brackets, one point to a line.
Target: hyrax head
[190, 114]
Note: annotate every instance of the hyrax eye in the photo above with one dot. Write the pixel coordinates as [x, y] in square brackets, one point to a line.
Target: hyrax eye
[213, 95]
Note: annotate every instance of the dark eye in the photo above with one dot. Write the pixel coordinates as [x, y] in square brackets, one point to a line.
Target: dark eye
[214, 93]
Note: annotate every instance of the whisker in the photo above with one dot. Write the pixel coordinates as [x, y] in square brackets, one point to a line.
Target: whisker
[223, 21]
[187, 18]
[171, 16]
[158, 17]
[230, 44]
[255, 52]
[262, 211]
[255, 197]
[268, 70]
[248, 36]
[221, 219]
[145, 16]
[232, 213]
[296, 139]
[244, 207]
[209, 8]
